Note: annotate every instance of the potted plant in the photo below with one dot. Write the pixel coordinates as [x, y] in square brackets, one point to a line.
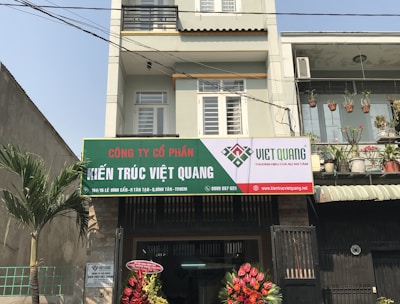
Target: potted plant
[365, 101]
[389, 158]
[340, 155]
[391, 129]
[348, 102]
[328, 159]
[396, 108]
[380, 122]
[312, 100]
[384, 300]
[371, 154]
[332, 105]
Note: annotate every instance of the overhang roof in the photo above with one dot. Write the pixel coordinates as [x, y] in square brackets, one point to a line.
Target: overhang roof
[334, 51]
[324, 194]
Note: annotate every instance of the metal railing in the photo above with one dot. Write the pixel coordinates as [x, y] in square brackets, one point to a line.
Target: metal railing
[149, 18]
[53, 280]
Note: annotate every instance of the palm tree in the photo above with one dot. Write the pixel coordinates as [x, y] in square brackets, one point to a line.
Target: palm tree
[34, 200]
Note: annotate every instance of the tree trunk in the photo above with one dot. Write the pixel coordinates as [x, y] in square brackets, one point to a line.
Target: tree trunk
[34, 282]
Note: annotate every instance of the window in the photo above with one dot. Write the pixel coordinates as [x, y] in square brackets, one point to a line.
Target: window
[151, 108]
[222, 107]
[327, 124]
[218, 5]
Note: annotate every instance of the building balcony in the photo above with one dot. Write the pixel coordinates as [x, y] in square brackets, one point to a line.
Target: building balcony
[149, 18]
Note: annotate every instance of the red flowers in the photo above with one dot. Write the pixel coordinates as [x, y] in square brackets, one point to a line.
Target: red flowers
[249, 285]
[133, 293]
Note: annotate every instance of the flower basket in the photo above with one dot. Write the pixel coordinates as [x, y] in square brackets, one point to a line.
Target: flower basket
[249, 285]
[142, 288]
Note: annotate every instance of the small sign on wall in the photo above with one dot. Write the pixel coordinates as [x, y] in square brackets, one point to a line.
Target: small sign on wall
[99, 275]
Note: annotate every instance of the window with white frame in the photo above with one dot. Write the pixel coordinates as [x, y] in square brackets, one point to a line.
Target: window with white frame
[150, 112]
[222, 107]
[218, 5]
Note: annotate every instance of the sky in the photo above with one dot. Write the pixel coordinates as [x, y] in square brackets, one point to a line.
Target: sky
[63, 69]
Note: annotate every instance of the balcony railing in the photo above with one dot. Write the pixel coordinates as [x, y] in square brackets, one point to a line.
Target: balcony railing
[149, 18]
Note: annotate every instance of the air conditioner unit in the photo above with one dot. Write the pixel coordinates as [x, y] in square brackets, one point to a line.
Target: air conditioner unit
[303, 67]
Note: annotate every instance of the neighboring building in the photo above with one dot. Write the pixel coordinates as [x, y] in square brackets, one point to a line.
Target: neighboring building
[356, 215]
[62, 256]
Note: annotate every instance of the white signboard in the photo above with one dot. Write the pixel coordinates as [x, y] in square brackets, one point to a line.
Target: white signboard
[99, 274]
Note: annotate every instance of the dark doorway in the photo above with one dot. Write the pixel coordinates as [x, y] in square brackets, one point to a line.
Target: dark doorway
[194, 269]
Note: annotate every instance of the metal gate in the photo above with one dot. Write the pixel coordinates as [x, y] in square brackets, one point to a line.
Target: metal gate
[295, 258]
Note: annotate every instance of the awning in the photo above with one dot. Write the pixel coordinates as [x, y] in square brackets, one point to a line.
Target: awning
[324, 194]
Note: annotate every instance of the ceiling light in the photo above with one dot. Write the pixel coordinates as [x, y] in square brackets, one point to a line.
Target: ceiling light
[359, 58]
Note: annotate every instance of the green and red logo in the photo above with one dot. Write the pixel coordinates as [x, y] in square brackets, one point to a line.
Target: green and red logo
[237, 154]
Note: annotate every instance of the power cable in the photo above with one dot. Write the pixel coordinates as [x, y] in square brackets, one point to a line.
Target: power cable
[241, 13]
[63, 19]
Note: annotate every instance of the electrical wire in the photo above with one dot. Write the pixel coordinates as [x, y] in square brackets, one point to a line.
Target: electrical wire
[214, 12]
[69, 21]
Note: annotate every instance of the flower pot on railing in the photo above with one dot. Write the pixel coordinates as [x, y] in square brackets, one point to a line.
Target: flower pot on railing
[391, 166]
[329, 165]
[343, 166]
[357, 165]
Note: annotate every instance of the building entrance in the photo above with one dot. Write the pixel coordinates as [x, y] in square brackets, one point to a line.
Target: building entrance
[194, 269]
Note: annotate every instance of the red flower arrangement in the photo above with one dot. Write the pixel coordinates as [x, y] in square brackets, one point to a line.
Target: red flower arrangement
[133, 292]
[249, 285]
[143, 288]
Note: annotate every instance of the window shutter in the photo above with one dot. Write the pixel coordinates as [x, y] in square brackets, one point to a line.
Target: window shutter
[228, 5]
[146, 121]
[206, 5]
[233, 115]
[210, 116]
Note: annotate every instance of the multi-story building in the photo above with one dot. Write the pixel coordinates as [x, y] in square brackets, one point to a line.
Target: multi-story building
[184, 74]
[358, 223]
[190, 70]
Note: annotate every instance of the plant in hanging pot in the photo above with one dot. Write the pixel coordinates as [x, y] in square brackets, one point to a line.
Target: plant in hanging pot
[348, 102]
[332, 105]
[389, 158]
[365, 101]
[312, 100]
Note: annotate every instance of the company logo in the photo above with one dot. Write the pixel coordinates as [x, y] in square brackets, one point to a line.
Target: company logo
[237, 154]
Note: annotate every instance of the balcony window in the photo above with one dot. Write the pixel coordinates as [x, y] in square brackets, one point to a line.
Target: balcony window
[149, 17]
[221, 107]
[225, 6]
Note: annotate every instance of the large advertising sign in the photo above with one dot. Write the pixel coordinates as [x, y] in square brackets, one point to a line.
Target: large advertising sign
[220, 166]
